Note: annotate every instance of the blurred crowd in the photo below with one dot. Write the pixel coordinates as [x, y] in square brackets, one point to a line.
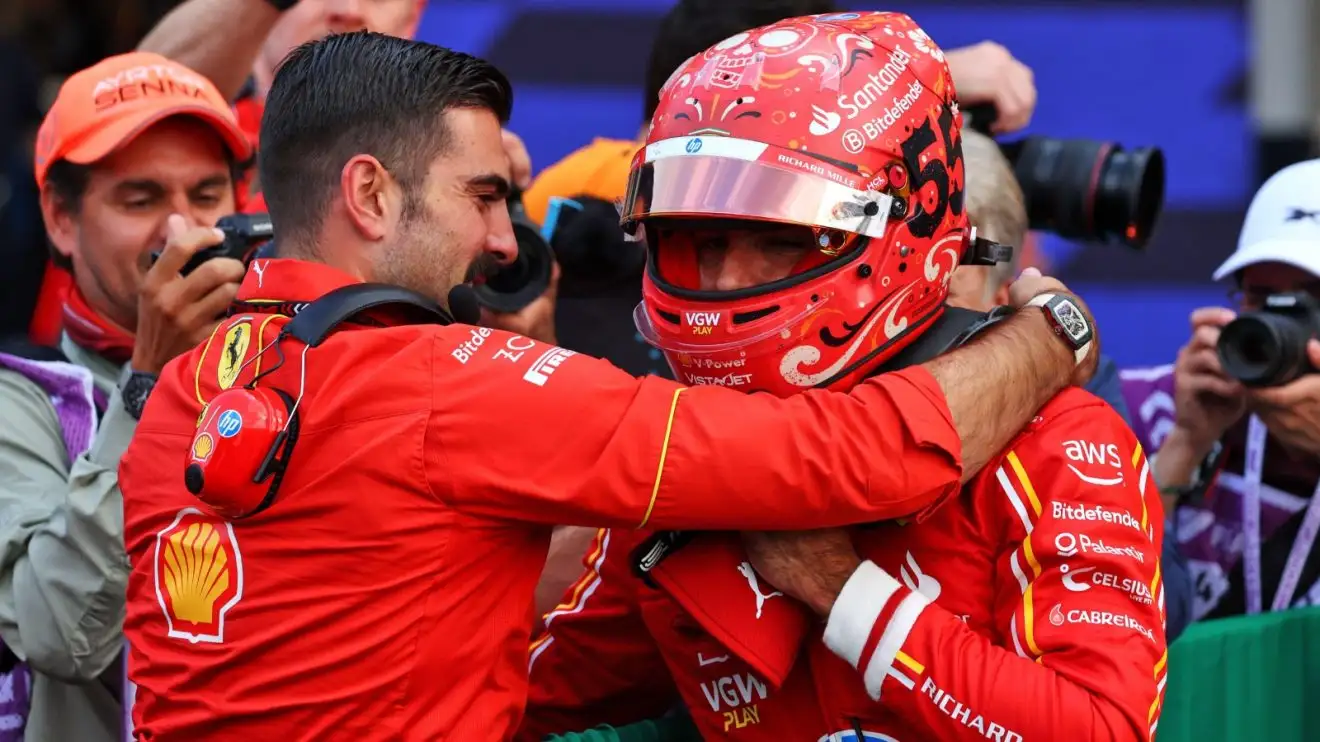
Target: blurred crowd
[168, 192]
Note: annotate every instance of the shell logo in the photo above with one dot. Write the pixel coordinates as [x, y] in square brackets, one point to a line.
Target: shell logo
[199, 575]
[203, 447]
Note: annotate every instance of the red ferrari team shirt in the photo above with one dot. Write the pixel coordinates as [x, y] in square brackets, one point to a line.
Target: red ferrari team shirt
[387, 594]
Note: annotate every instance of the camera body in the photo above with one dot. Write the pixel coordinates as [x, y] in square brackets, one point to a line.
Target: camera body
[518, 284]
[581, 234]
[1267, 347]
[244, 233]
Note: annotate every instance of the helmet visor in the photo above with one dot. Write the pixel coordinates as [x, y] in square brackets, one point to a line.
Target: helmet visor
[727, 178]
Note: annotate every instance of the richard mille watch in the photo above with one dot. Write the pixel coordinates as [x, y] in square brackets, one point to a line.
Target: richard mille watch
[1068, 322]
[134, 388]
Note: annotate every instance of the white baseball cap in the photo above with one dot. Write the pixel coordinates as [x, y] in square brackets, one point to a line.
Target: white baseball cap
[1283, 223]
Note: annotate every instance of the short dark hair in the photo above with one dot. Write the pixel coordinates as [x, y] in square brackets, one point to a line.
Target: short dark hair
[68, 181]
[692, 26]
[356, 93]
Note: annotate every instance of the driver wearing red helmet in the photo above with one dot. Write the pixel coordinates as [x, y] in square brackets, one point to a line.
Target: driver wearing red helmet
[801, 192]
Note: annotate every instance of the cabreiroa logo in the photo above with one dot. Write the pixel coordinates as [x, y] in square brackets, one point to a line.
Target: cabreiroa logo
[199, 575]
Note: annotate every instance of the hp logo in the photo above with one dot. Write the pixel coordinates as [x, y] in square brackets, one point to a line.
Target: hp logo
[694, 145]
[230, 423]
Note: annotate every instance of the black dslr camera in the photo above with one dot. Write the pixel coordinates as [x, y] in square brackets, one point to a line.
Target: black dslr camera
[518, 284]
[244, 233]
[1268, 347]
[582, 234]
[1082, 188]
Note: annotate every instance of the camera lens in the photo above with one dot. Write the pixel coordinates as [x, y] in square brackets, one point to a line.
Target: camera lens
[1088, 189]
[518, 284]
[1261, 349]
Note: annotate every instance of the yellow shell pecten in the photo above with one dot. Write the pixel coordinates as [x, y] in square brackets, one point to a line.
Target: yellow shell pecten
[196, 572]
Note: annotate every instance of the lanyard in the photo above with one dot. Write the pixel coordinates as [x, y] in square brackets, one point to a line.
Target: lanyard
[1301, 548]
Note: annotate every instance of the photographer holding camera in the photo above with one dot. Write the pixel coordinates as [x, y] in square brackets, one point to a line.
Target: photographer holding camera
[1239, 445]
[133, 148]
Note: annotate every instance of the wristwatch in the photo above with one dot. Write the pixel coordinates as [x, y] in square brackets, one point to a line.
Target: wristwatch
[1068, 322]
[1203, 476]
[134, 388]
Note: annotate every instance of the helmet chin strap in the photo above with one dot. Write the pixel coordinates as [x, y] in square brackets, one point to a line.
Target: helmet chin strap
[981, 251]
[954, 327]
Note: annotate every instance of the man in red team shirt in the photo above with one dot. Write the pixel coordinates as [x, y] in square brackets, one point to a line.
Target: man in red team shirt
[386, 591]
[1028, 608]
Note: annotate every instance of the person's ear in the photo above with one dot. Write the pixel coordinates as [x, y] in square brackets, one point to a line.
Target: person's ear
[61, 219]
[372, 199]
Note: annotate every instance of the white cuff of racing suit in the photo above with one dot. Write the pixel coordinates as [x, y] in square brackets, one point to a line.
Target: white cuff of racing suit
[855, 617]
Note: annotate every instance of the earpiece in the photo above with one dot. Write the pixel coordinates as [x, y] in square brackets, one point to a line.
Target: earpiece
[242, 446]
[240, 451]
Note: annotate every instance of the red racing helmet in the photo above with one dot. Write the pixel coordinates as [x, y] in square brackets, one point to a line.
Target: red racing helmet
[844, 123]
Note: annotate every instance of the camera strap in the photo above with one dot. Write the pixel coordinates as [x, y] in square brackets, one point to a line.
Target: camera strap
[1302, 544]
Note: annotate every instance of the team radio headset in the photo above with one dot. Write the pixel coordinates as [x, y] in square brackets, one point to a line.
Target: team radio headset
[242, 447]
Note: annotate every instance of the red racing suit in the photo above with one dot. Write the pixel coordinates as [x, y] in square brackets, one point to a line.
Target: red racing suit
[387, 594]
[1029, 608]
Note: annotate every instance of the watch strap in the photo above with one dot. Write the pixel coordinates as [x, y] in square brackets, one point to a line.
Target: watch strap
[1203, 476]
[134, 389]
[1068, 321]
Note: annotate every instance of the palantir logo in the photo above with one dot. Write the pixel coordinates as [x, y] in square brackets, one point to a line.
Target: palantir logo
[1066, 544]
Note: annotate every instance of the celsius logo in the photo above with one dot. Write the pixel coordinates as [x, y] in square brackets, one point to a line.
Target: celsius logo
[693, 145]
[1070, 578]
[1081, 579]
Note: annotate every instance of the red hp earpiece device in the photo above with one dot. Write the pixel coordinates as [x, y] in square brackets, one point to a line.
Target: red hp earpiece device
[242, 447]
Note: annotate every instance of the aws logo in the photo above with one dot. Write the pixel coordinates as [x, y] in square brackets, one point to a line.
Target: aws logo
[1091, 455]
[198, 574]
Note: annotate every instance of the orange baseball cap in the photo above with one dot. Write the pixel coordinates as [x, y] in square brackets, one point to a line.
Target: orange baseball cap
[105, 106]
[599, 170]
